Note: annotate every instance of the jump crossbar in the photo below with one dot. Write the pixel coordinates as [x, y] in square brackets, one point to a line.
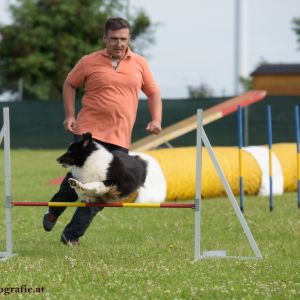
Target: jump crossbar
[99, 204]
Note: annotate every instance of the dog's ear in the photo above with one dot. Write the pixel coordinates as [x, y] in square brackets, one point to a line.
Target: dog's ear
[87, 138]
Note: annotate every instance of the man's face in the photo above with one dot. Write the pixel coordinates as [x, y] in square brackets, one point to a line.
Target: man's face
[116, 42]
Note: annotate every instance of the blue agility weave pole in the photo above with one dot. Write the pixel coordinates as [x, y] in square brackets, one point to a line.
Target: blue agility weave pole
[269, 119]
[296, 109]
[240, 146]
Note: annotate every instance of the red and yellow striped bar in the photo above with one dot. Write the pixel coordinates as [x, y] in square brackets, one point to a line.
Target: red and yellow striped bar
[100, 204]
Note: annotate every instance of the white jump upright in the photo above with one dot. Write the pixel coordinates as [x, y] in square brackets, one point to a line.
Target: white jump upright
[202, 138]
[5, 137]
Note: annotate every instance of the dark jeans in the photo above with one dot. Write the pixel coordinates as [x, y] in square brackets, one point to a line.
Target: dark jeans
[83, 216]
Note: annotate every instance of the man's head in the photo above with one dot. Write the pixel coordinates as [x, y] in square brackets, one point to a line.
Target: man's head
[116, 37]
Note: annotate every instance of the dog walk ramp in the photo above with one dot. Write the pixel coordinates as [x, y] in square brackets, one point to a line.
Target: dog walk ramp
[189, 124]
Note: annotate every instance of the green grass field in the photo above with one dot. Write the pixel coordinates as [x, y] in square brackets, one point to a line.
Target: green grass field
[146, 253]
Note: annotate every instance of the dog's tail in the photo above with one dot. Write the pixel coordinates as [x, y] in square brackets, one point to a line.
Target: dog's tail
[113, 194]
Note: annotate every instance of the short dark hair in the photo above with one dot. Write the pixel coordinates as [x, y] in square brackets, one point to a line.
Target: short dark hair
[115, 24]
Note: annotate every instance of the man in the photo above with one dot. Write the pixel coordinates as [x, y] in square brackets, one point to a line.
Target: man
[112, 80]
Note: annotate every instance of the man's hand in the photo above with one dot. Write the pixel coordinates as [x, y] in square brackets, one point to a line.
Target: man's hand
[70, 124]
[154, 127]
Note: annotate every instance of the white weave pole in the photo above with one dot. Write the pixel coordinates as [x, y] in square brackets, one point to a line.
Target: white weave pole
[198, 187]
[5, 136]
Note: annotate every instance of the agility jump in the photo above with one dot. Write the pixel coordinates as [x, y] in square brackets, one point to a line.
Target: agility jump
[201, 138]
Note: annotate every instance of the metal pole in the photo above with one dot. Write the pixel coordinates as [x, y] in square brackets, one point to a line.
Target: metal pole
[240, 40]
[237, 48]
[296, 109]
[269, 119]
[230, 195]
[198, 186]
[7, 181]
[240, 145]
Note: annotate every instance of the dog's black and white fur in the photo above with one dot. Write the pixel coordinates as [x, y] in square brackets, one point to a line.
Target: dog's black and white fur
[101, 175]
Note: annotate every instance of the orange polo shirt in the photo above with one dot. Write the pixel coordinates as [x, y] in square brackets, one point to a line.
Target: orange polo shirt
[110, 99]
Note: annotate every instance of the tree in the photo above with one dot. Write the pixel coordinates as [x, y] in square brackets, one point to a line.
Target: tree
[201, 91]
[296, 23]
[48, 37]
[246, 82]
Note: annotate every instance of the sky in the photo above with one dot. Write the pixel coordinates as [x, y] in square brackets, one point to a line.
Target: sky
[194, 40]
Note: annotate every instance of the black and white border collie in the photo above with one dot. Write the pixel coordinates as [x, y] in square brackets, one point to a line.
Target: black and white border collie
[101, 175]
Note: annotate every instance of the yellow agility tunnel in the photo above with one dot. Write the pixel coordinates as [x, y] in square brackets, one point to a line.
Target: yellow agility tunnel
[172, 172]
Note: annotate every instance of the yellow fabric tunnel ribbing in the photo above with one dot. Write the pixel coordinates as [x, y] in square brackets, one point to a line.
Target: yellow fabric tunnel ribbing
[179, 168]
[286, 154]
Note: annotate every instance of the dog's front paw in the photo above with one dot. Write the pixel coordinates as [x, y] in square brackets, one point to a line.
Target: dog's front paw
[73, 182]
[77, 185]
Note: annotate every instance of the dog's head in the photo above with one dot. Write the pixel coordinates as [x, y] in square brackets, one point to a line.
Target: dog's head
[78, 152]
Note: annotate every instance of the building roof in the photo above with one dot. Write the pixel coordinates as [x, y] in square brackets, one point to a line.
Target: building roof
[277, 69]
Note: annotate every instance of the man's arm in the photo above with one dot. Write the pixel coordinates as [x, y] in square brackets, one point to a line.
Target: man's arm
[155, 107]
[69, 105]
